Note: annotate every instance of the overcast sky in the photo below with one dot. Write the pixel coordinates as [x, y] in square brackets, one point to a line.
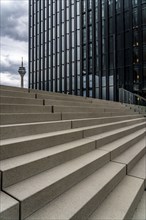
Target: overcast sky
[13, 40]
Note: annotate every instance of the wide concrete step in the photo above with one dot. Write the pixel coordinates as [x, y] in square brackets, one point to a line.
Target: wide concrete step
[50, 95]
[9, 207]
[38, 190]
[123, 143]
[132, 155]
[121, 202]
[82, 199]
[82, 115]
[140, 212]
[20, 100]
[20, 130]
[139, 170]
[21, 118]
[81, 104]
[77, 123]
[87, 109]
[63, 97]
[98, 129]
[19, 168]
[13, 88]
[16, 93]
[22, 145]
[17, 108]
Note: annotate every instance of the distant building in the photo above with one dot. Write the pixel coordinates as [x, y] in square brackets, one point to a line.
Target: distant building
[88, 47]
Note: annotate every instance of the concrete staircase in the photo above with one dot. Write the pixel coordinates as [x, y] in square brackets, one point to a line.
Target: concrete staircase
[67, 157]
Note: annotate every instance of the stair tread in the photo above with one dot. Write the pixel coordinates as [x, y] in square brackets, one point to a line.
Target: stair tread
[28, 187]
[96, 137]
[34, 123]
[33, 137]
[139, 170]
[48, 122]
[6, 202]
[119, 201]
[140, 212]
[66, 205]
[27, 158]
[37, 155]
[115, 144]
[130, 153]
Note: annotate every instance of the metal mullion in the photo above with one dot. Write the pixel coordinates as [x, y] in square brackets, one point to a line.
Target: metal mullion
[43, 45]
[115, 50]
[55, 46]
[40, 72]
[36, 52]
[81, 50]
[131, 48]
[70, 50]
[75, 47]
[60, 48]
[93, 49]
[100, 47]
[65, 48]
[87, 51]
[51, 89]
[122, 76]
[48, 46]
[107, 50]
[140, 43]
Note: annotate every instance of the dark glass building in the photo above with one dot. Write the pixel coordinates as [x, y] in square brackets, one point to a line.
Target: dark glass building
[88, 47]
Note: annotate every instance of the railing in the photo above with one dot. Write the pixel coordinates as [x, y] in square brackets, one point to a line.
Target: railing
[135, 101]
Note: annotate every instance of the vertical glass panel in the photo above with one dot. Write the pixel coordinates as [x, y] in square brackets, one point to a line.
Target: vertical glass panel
[134, 2]
[144, 36]
[144, 15]
[135, 18]
[126, 4]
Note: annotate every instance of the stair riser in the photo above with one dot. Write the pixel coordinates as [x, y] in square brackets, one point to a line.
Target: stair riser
[25, 171]
[106, 140]
[16, 149]
[89, 207]
[106, 128]
[69, 116]
[115, 153]
[24, 130]
[52, 95]
[20, 148]
[134, 205]
[79, 104]
[13, 88]
[92, 122]
[0, 180]
[28, 206]
[25, 109]
[84, 109]
[11, 213]
[94, 100]
[16, 94]
[63, 98]
[21, 131]
[11, 100]
[28, 118]
[135, 160]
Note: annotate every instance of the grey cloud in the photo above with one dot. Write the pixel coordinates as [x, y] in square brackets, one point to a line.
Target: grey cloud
[14, 20]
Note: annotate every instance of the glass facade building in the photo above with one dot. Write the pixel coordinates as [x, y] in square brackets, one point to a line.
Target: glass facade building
[88, 47]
